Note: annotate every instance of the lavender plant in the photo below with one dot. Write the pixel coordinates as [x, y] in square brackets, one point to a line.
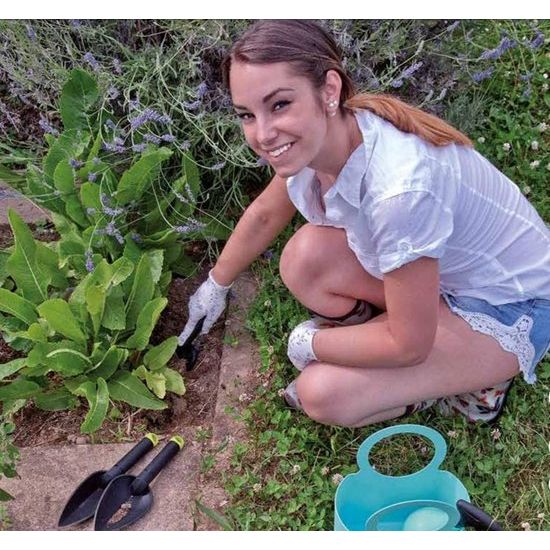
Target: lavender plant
[84, 307]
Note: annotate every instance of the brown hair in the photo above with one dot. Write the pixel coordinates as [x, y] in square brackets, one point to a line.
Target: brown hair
[311, 52]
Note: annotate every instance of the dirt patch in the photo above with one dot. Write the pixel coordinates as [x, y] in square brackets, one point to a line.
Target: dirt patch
[35, 427]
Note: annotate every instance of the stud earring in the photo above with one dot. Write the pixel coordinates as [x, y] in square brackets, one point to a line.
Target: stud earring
[333, 105]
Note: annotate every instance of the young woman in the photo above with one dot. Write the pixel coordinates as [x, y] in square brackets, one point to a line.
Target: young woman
[406, 220]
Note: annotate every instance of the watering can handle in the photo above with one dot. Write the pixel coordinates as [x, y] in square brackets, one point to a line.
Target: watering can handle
[434, 436]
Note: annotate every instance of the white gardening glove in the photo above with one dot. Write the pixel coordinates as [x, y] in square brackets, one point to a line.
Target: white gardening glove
[300, 344]
[208, 301]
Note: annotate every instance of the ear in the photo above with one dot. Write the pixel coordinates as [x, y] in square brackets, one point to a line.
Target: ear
[332, 87]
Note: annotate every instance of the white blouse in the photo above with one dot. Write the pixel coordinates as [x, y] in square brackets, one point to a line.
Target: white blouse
[399, 198]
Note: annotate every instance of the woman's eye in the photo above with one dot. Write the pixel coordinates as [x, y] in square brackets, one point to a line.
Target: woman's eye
[243, 116]
[280, 104]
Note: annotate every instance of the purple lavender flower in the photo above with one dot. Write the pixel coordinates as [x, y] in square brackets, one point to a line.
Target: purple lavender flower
[192, 106]
[151, 138]
[133, 104]
[113, 211]
[193, 225]
[89, 261]
[483, 75]
[262, 162]
[110, 228]
[75, 23]
[110, 124]
[406, 74]
[30, 33]
[537, 42]
[186, 145]
[452, 27]
[505, 44]
[268, 254]
[92, 176]
[104, 200]
[95, 161]
[149, 115]
[91, 60]
[76, 164]
[201, 90]
[114, 148]
[136, 238]
[48, 129]
[218, 166]
[169, 138]
[117, 65]
[139, 147]
[112, 93]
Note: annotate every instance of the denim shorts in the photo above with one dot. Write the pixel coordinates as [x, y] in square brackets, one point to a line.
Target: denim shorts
[522, 328]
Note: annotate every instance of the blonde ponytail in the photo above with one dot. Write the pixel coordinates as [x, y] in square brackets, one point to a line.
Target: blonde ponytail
[409, 119]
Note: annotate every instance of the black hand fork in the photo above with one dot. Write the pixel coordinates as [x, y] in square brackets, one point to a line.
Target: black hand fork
[187, 351]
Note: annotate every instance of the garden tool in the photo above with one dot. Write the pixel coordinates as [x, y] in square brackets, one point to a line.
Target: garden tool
[83, 502]
[128, 498]
[187, 351]
[430, 499]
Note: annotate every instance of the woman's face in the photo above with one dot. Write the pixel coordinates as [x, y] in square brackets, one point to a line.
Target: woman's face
[281, 115]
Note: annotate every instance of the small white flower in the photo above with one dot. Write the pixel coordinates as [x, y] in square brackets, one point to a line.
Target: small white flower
[481, 139]
[452, 434]
[257, 487]
[281, 392]
[541, 515]
[535, 145]
[506, 146]
[534, 164]
[542, 127]
[526, 190]
[267, 303]
[545, 75]
[324, 471]
[337, 479]
[295, 469]
[496, 434]
[526, 526]
[545, 87]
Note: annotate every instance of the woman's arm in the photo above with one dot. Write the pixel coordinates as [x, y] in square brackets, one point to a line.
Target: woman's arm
[402, 337]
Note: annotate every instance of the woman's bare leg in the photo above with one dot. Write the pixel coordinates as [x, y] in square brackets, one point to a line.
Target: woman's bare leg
[461, 360]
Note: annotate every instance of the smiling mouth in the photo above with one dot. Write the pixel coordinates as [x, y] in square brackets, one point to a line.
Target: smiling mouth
[276, 153]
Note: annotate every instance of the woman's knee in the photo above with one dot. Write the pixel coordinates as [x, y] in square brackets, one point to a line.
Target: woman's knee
[318, 391]
[302, 256]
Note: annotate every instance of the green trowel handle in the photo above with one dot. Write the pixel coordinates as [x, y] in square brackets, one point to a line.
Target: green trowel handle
[475, 517]
[132, 457]
[141, 484]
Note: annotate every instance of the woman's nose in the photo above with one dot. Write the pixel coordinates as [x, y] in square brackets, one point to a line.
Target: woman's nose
[266, 133]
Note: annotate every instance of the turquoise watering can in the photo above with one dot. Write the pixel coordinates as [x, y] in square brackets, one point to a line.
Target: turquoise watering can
[428, 500]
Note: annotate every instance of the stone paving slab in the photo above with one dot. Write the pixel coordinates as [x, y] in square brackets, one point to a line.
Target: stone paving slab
[49, 474]
[28, 210]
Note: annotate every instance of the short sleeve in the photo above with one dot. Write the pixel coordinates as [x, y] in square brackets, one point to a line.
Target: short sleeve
[410, 225]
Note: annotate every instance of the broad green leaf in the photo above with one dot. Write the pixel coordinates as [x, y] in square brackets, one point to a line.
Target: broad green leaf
[69, 145]
[47, 259]
[128, 388]
[141, 292]
[19, 389]
[121, 269]
[109, 364]
[155, 381]
[89, 195]
[174, 381]
[78, 97]
[65, 357]
[98, 408]
[12, 178]
[158, 356]
[95, 302]
[184, 266]
[57, 400]
[136, 180]
[43, 193]
[156, 258]
[11, 367]
[114, 316]
[60, 317]
[22, 264]
[18, 307]
[163, 238]
[35, 333]
[63, 178]
[146, 323]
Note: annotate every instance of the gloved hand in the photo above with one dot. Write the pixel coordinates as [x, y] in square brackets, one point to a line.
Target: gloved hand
[300, 344]
[208, 301]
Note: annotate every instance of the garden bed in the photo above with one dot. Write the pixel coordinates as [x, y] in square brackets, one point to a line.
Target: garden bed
[35, 427]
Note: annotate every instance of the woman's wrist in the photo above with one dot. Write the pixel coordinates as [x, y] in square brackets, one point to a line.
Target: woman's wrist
[219, 283]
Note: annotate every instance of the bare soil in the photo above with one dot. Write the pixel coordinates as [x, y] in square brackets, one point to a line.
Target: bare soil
[35, 427]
